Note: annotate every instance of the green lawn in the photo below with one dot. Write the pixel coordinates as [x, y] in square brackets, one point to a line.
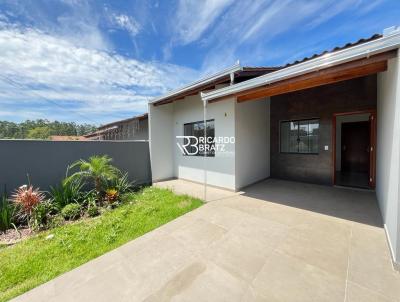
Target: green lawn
[37, 260]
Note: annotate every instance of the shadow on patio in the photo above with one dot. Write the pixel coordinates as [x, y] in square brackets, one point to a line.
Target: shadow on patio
[350, 204]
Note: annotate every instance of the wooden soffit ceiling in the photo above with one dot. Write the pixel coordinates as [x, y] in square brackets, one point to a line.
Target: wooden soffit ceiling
[355, 69]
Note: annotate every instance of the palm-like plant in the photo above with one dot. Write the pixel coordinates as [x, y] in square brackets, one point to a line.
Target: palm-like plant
[98, 170]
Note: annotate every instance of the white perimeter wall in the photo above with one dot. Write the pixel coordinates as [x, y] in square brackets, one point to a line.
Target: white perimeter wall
[388, 152]
[161, 140]
[252, 142]
[221, 168]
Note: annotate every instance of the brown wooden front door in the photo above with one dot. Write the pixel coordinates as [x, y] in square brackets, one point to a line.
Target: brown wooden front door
[356, 147]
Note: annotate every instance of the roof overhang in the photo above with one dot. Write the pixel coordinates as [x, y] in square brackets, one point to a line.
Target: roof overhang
[140, 117]
[368, 51]
[197, 86]
[347, 71]
[101, 131]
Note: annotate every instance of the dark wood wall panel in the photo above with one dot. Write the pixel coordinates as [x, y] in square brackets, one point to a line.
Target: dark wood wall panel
[320, 102]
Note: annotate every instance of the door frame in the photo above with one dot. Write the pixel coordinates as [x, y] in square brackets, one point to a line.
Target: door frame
[372, 153]
[367, 130]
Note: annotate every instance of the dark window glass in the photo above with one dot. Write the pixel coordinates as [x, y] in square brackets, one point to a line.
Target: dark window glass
[293, 134]
[197, 130]
[299, 136]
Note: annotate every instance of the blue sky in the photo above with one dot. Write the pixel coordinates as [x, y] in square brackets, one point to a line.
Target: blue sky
[98, 61]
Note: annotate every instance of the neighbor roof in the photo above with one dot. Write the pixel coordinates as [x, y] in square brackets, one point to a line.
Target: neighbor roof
[363, 48]
[67, 138]
[104, 128]
[143, 116]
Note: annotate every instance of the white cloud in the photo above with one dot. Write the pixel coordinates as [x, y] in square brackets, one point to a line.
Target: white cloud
[195, 17]
[80, 32]
[331, 11]
[93, 82]
[125, 22]
[253, 23]
[74, 20]
[368, 6]
[280, 16]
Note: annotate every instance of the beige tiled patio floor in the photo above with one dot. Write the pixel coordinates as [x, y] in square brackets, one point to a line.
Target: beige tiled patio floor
[276, 241]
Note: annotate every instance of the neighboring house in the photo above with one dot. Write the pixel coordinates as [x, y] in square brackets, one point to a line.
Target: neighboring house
[67, 138]
[332, 119]
[135, 128]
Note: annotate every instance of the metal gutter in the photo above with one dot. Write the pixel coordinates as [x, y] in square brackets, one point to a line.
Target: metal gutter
[388, 42]
[203, 81]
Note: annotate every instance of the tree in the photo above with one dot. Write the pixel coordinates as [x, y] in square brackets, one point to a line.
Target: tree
[98, 170]
[42, 132]
[22, 130]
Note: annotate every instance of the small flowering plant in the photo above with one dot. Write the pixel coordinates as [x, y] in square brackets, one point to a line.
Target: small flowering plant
[112, 195]
[26, 198]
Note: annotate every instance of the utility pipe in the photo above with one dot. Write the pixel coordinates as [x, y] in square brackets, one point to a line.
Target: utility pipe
[205, 153]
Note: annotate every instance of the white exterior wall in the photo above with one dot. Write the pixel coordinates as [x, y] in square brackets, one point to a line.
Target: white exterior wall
[252, 142]
[161, 141]
[388, 152]
[221, 168]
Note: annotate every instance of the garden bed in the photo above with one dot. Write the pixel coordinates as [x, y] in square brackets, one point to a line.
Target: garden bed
[12, 236]
[50, 253]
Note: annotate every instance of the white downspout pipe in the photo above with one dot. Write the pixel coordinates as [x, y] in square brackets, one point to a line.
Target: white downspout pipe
[205, 152]
[232, 81]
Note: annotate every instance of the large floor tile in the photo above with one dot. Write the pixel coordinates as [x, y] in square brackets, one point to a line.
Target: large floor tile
[273, 212]
[236, 255]
[357, 293]
[285, 278]
[324, 244]
[219, 215]
[244, 249]
[154, 265]
[241, 203]
[199, 235]
[251, 295]
[370, 263]
[112, 284]
[180, 282]
[208, 282]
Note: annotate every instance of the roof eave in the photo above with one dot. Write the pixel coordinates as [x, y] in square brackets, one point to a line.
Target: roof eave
[199, 83]
[386, 43]
[137, 117]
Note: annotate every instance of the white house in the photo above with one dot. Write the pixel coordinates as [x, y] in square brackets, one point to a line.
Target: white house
[332, 119]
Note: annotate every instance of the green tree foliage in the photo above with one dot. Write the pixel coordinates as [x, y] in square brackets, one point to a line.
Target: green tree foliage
[42, 129]
[43, 132]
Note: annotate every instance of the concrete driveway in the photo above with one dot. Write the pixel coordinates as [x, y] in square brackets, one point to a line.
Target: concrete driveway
[276, 241]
